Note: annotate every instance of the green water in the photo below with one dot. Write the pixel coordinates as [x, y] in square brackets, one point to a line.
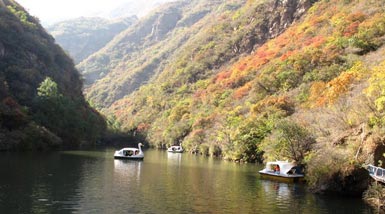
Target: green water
[93, 182]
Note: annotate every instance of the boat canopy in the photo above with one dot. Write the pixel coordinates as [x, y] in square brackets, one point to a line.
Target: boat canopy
[128, 149]
[284, 166]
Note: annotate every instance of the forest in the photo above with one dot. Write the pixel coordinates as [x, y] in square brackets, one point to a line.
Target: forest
[41, 102]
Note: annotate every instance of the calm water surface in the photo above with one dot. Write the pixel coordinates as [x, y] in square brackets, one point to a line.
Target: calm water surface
[93, 182]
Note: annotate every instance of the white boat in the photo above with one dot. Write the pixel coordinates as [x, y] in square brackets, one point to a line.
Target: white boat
[130, 153]
[175, 149]
[377, 173]
[282, 171]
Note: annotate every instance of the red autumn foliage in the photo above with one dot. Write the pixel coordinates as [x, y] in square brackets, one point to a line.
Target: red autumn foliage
[314, 41]
[221, 76]
[142, 127]
[351, 29]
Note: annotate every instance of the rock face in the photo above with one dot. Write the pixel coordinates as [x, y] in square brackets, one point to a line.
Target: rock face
[163, 24]
[279, 15]
[284, 13]
[352, 185]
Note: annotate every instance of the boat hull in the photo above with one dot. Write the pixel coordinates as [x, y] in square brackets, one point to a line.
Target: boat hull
[282, 178]
[128, 157]
[175, 151]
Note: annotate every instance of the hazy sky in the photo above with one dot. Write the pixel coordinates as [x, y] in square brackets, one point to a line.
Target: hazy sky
[49, 11]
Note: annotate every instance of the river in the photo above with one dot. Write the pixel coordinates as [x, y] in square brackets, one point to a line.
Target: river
[93, 182]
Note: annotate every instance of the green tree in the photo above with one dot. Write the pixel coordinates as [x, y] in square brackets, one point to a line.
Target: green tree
[289, 140]
[249, 135]
[68, 118]
[48, 88]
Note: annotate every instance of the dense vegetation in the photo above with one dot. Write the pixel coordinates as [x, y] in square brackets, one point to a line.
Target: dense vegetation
[83, 36]
[41, 101]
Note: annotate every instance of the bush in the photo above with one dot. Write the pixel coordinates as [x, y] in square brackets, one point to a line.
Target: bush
[375, 196]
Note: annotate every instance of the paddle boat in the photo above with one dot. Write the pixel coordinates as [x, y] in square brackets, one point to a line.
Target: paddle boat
[377, 173]
[282, 171]
[175, 149]
[130, 153]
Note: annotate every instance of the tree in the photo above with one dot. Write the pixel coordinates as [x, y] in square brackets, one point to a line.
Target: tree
[70, 119]
[249, 136]
[289, 140]
[48, 88]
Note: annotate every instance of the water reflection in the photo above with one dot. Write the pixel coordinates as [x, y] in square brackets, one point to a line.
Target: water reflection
[282, 196]
[280, 190]
[174, 158]
[128, 169]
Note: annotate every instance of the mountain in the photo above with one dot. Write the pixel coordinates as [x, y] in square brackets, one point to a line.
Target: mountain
[137, 54]
[133, 8]
[82, 37]
[41, 100]
[254, 80]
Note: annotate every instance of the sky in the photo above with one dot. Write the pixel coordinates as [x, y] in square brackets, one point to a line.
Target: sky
[50, 11]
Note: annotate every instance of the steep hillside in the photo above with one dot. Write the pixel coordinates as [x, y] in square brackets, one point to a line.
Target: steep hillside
[140, 52]
[268, 80]
[236, 32]
[134, 8]
[41, 101]
[82, 37]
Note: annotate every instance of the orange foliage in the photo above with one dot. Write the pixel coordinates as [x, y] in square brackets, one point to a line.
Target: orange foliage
[263, 55]
[222, 76]
[339, 85]
[322, 93]
[278, 102]
[142, 127]
[317, 20]
[242, 91]
[288, 54]
[316, 41]
[205, 122]
[198, 134]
